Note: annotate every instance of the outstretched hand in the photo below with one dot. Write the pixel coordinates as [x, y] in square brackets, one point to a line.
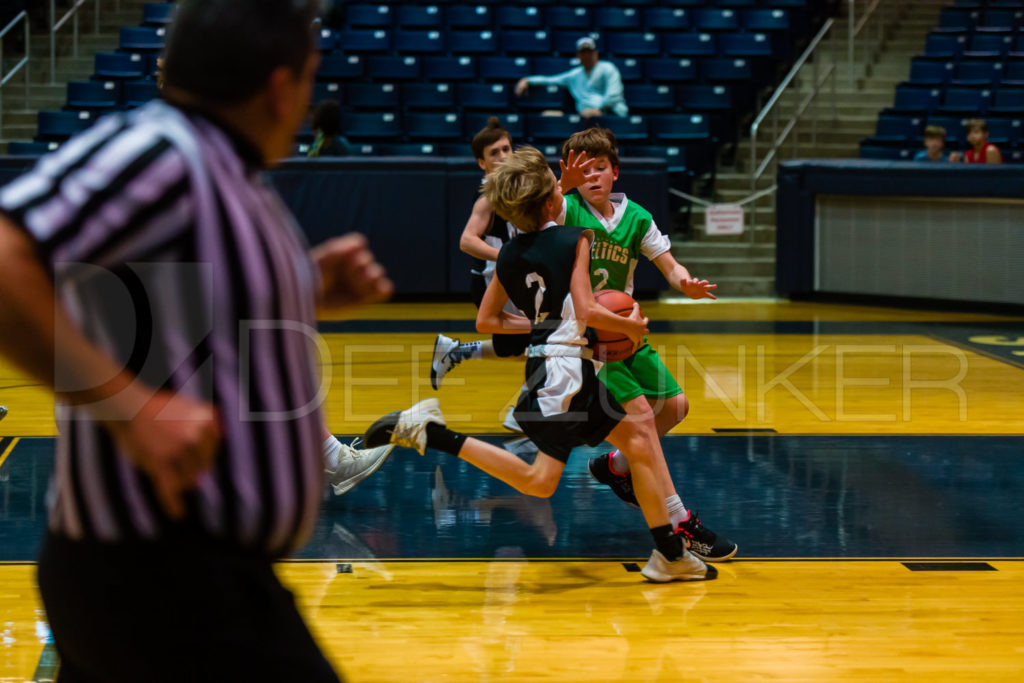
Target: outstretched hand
[697, 289]
[350, 275]
[574, 170]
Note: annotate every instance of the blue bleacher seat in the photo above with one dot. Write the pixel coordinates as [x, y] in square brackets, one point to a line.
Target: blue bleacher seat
[326, 40]
[1004, 132]
[472, 42]
[674, 155]
[577, 19]
[408, 149]
[469, 16]
[916, 100]
[370, 125]
[669, 69]
[379, 96]
[360, 40]
[725, 70]
[419, 16]
[884, 152]
[474, 122]
[977, 73]
[713, 19]
[457, 149]
[957, 19]
[930, 73]
[519, 42]
[543, 129]
[627, 128]
[734, 3]
[142, 38]
[630, 68]
[987, 46]
[681, 127]
[1007, 102]
[689, 44]
[137, 93]
[551, 66]
[365, 149]
[563, 42]
[745, 45]
[449, 68]
[965, 102]
[542, 97]
[1013, 74]
[666, 19]
[119, 65]
[340, 67]
[765, 19]
[899, 128]
[417, 41]
[515, 16]
[368, 16]
[704, 97]
[494, 68]
[492, 97]
[1000, 20]
[946, 46]
[428, 95]
[390, 68]
[433, 125]
[650, 98]
[30, 148]
[611, 18]
[158, 13]
[93, 94]
[633, 44]
[328, 91]
[60, 125]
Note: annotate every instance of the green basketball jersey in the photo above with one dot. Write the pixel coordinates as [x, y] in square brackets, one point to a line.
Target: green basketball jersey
[615, 253]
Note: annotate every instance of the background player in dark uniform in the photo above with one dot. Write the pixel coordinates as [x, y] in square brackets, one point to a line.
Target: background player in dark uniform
[545, 272]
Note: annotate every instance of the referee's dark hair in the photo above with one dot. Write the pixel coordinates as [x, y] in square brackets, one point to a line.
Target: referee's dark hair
[223, 51]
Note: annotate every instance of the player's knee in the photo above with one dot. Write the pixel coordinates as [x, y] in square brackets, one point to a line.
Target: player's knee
[541, 485]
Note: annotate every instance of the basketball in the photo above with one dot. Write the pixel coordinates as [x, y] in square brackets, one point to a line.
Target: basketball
[613, 346]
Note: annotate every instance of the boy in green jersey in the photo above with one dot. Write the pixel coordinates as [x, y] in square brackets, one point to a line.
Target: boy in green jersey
[643, 385]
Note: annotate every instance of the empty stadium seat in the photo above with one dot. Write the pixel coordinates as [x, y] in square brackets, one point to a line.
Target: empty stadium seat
[916, 100]
[428, 95]
[469, 16]
[633, 44]
[30, 148]
[355, 40]
[898, 128]
[408, 149]
[745, 45]
[433, 125]
[472, 42]
[724, 70]
[572, 18]
[370, 125]
[488, 96]
[419, 16]
[675, 70]
[137, 93]
[965, 102]
[379, 96]
[473, 122]
[977, 73]
[627, 128]
[449, 68]
[520, 42]
[683, 127]
[60, 125]
[542, 97]
[666, 19]
[611, 18]
[552, 128]
[689, 44]
[714, 19]
[930, 73]
[93, 94]
[516, 16]
[504, 68]
[340, 67]
[157, 13]
[417, 41]
[1007, 102]
[987, 46]
[765, 20]
[389, 68]
[327, 91]
[137, 38]
[368, 15]
[704, 98]
[674, 155]
[946, 46]
[651, 98]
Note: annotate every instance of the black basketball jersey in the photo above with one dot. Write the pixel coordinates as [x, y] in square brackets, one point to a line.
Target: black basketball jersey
[498, 233]
[535, 268]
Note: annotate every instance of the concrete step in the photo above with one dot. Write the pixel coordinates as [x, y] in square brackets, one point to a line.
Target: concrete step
[691, 249]
[715, 268]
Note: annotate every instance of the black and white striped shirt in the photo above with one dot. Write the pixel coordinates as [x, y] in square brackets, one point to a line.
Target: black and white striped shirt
[171, 253]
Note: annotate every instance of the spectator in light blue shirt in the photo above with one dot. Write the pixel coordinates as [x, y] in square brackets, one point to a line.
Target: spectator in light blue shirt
[934, 145]
[595, 85]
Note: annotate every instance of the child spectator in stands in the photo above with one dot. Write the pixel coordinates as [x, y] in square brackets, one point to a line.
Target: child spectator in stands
[982, 151]
[329, 142]
[934, 145]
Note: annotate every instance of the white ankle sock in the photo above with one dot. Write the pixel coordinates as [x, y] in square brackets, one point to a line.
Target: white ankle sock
[618, 462]
[332, 452]
[676, 512]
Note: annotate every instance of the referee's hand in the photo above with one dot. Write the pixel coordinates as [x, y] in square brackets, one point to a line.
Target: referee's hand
[350, 275]
[174, 440]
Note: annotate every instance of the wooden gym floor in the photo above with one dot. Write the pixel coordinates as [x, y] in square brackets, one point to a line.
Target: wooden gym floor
[868, 461]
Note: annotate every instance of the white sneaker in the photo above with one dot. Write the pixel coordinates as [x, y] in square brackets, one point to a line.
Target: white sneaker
[356, 464]
[406, 428]
[442, 361]
[510, 421]
[686, 568]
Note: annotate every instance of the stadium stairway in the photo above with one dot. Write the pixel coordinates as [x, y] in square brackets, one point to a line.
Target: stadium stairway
[746, 267]
[19, 120]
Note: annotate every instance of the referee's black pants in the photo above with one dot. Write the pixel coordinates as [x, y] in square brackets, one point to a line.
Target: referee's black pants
[178, 611]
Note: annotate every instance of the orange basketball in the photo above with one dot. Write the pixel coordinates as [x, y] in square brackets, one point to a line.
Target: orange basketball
[613, 346]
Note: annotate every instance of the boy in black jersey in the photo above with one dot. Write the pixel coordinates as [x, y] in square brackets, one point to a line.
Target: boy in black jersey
[546, 273]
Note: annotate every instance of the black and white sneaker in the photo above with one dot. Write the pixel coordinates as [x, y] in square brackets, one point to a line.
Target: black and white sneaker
[686, 568]
[405, 428]
[620, 484]
[703, 542]
[443, 361]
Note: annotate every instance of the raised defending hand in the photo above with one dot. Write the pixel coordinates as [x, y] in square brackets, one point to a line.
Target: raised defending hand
[575, 170]
[697, 289]
[350, 275]
[174, 440]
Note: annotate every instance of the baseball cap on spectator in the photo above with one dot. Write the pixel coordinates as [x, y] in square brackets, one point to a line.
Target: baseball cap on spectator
[585, 43]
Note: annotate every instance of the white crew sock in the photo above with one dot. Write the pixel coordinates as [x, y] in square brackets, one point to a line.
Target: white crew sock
[676, 511]
[332, 452]
[467, 350]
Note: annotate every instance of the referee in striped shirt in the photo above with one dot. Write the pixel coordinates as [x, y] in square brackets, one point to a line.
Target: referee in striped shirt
[163, 291]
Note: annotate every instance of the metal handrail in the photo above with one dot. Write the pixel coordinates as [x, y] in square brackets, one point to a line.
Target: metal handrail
[756, 170]
[56, 24]
[22, 64]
